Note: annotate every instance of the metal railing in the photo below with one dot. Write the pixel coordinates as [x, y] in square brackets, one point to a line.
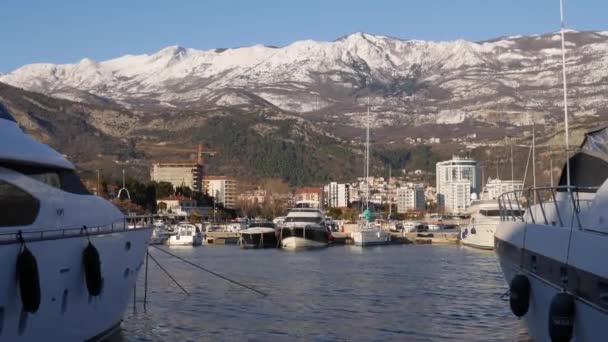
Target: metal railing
[544, 206]
[126, 224]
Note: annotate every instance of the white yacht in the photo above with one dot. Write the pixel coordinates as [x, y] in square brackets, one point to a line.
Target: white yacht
[304, 228]
[553, 254]
[186, 234]
[485, 216]
[70, 260]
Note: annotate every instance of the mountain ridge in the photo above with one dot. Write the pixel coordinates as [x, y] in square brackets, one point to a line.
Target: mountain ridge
[410, 82]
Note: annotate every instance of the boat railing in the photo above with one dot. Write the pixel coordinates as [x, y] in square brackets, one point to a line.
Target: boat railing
[558, 206]
[126, 224]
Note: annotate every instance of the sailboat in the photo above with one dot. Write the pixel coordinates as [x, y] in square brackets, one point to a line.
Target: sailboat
[551, 244]
[366, 233]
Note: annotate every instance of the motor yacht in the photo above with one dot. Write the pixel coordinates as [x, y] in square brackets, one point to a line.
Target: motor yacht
[70, 259]
[304, 228]
[186, 234]
[479, 233]
[259, 235]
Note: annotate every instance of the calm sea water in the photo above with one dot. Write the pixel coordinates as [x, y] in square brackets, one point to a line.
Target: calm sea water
[401, 292]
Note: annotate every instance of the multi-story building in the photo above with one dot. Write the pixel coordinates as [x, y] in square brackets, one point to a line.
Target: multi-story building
[410, 197]
[495, 187]
[458, 196]
[337, 195]
[188, 174]
[222, 188]
[312, 195]
[459, 171]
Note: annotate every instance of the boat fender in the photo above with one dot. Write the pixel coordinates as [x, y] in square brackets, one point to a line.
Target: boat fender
[561, 317]
[473, 230]
[519, 295]
[29, 280]
[92, 269]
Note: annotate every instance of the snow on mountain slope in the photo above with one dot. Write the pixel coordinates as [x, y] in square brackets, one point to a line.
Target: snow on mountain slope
[410, 80]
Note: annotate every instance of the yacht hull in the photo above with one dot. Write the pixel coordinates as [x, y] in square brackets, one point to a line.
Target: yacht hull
[371, 238]
[185, 241]
[480, 238]
[67, 312]
[259, 240]
[295, 243]
[541, 253]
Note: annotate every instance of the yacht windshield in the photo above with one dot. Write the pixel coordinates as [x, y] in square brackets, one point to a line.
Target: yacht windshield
[66, 180]
[304, 219]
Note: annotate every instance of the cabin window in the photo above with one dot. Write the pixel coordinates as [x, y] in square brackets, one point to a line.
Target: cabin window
[17, 206]
[66, 180]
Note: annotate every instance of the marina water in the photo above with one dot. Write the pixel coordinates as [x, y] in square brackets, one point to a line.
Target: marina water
[401, 292]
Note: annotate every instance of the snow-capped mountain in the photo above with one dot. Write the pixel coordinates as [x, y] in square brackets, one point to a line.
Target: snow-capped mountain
[506, 80]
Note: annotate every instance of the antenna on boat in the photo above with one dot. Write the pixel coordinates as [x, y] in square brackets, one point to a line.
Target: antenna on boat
[567, 141]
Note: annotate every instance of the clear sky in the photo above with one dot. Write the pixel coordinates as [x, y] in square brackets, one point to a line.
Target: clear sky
[65, 31]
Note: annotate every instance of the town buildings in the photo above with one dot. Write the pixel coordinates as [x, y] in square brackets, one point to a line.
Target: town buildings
[312, 195]
[189, 174]
[452, 176]
[410, 197]
[495, 187]
[222, 188]
[337, 195]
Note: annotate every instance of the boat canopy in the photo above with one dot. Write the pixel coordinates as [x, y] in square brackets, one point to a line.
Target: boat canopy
[589, 166]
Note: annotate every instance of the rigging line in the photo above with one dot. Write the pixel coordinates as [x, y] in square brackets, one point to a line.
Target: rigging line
[168, 274]
[211, 272]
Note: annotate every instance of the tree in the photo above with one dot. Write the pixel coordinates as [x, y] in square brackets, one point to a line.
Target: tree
[334, 213]
[163, 189]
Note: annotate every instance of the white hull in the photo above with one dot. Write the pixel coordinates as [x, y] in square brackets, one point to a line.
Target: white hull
[371, 237]
[293, 243]
[587, 253]
[67, 312]
[482, 237]
[174, 240]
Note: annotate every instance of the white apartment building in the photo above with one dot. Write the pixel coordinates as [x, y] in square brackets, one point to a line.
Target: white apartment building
[223, 189]
[337, 195]
[410, 197]
[178, 174]
[458, 196]
[495, 187]
[458, 171]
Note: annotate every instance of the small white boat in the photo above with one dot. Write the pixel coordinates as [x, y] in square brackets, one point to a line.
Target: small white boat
[371, 236]
[186, 235]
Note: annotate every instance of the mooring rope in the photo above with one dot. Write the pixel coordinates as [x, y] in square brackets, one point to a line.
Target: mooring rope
[211, 272]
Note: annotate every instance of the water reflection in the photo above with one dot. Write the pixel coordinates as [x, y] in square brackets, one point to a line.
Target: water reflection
[413, 293]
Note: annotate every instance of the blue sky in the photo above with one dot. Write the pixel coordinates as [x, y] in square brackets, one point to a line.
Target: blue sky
[61, 31]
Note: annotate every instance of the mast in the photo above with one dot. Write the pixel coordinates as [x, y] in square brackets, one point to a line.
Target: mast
[567, 140]
[533, 156]
[367, 158]
[512, 170]
[390, 199]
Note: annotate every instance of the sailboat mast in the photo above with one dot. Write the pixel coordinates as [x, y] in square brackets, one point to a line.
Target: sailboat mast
[367, 157]
[390, 199]
[567, 140]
